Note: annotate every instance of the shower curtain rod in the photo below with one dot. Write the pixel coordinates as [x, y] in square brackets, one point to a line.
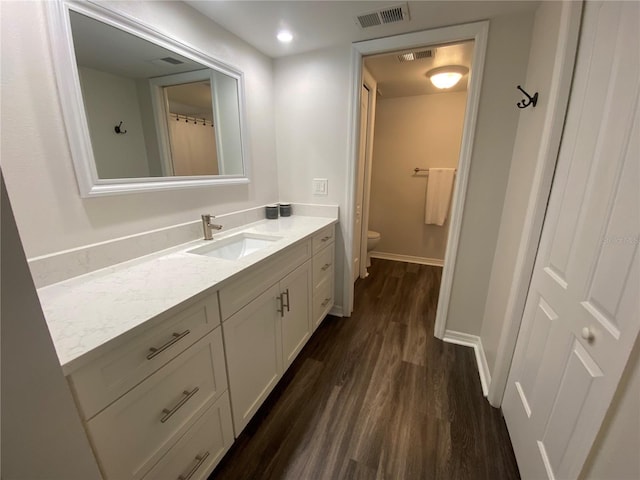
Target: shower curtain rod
[189, 119]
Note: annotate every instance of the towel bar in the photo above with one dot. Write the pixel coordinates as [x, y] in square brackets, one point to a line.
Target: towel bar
[417, 170]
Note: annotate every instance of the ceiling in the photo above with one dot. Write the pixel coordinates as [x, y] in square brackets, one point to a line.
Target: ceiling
[319, 24]
[405, 79]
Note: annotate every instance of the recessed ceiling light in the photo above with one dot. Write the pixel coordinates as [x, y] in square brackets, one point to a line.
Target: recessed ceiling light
[285, 36]
[446, 77]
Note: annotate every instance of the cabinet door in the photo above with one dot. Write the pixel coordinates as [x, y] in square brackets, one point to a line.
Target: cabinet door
[296, 319]
[253, 342]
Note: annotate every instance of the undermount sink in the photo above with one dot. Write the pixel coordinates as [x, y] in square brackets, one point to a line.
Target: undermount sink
[236, 246]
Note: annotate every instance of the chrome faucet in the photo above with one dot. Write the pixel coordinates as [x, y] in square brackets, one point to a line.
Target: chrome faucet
[207, 226]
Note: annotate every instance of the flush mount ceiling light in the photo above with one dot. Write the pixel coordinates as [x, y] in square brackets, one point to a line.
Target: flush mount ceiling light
[446, 77]
[284, 36]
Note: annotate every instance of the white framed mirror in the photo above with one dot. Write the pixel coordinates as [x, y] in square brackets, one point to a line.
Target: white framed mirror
[143, 111]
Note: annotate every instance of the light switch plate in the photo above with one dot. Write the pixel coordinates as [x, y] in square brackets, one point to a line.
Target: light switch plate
[320, 186]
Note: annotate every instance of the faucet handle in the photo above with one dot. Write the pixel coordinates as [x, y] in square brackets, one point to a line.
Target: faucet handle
[207, 216]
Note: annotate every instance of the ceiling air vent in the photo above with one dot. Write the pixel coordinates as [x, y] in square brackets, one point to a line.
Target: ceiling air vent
[165, 62]
[411, 56]
[397, 13]
[424, 54]
[172, 61]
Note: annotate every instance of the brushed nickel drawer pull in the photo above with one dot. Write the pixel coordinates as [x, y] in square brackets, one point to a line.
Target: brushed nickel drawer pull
[199, 461]
[325, 266]
[169, 412]
[288, 305]
[324, 239]
[281, 309]
[174, 338]
[326, 300]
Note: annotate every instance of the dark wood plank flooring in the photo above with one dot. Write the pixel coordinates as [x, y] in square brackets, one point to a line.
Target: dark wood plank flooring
[376, 396]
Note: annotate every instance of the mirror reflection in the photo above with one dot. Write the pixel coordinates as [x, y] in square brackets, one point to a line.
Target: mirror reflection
[152, 112]
[193, 149]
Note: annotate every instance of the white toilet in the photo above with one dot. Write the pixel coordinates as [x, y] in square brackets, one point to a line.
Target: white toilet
[373, 238]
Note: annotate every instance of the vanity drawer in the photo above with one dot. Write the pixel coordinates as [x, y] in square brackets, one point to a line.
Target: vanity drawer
[322, 301]
[251, 284]
[201, 448]
[102, 381]
[133, 433]
[323, 238]
[323, 264]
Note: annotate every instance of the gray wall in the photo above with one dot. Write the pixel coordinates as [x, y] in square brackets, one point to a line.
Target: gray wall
[531, 123]
[506, 64]
[42, 437]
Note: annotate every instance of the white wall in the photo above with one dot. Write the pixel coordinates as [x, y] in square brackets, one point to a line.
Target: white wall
[110, 99]
[615, 453]
[42, 437]
[505, 67]
[312, 123]
[422, 131]
[35, 156]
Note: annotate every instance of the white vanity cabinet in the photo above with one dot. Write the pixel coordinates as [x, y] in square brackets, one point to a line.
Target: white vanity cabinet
[165, 398]
[263, 338]
[145, 401]
[323, 274]
[269, 314]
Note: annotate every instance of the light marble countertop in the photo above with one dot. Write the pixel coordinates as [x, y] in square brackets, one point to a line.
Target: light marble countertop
[93, 313]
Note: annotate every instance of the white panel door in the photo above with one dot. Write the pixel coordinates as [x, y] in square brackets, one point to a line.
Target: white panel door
[582, 315]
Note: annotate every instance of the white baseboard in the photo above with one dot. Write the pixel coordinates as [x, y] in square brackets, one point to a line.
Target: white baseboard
[336, 311]
[459, 338]
[434, 262]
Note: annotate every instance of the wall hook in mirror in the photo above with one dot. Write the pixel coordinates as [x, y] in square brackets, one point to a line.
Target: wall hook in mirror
[119, 130]
[527, 101]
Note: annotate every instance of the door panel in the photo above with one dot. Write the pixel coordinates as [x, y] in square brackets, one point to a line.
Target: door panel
[253, 343]
[582, 312]
[296, 320]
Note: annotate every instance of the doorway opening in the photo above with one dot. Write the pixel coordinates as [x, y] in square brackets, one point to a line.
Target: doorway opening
[408, 158]
[382, 207]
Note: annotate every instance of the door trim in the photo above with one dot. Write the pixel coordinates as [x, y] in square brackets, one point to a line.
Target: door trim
[567, 47]
[369, 82]
[477, 31]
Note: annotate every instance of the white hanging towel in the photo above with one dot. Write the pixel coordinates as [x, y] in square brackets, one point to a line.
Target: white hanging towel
[439, 188]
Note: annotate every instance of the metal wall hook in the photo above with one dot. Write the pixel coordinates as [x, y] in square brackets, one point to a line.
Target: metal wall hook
[119, 130]
[525, 102]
